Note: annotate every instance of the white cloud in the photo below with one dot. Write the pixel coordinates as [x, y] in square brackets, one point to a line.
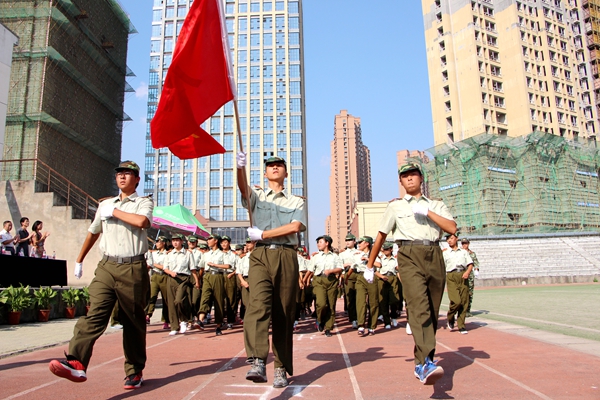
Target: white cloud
[142, 90]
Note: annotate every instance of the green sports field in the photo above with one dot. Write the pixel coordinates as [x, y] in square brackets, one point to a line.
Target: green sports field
[566, 309]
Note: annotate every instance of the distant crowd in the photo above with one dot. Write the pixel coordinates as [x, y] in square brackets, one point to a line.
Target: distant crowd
[24, 243]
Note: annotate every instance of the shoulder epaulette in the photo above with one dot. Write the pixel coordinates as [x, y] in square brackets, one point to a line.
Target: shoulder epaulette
[258, 187]
[397, 198]
[105, 198]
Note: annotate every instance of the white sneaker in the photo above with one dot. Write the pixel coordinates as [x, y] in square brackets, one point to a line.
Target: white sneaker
[172, 333]
[408, 330]
[394, 323]
[388, 327]
[117, 326]
[182, 327]
[354, 324]
[380, 318]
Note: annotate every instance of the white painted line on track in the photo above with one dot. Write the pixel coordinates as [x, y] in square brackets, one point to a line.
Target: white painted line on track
[14, 396]
[214, 376]
[355, 387]
[494, 371]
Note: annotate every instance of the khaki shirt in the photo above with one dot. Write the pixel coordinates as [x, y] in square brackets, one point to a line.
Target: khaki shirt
[180, 262]
[158, 258]
[271, 210]
[405, 225]
[243, 265]
[347, 257]
[197, 256]
[388, 265]
[212, 256]
[322, 261]
[302, 264]
[231, 259]
[119, 239]
[457, 259]
[360, 261]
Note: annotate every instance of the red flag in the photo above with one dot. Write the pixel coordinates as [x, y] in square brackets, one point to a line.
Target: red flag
[198, 84]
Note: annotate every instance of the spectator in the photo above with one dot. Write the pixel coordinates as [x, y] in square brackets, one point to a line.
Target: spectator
[39, 239]
[8, 241]
[23, 237]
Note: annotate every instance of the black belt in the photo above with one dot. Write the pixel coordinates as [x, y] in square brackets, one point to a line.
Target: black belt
[215, 272]
[457, 270]
[272, 246]
[418, 242]
[390, 274]
[124, 260]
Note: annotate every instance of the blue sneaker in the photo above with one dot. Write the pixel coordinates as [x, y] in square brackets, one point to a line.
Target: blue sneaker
[428, 373]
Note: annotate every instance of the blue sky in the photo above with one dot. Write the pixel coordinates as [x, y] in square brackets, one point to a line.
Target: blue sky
[364, 57]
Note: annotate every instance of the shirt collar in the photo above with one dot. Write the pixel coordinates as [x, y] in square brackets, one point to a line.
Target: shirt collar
[131, 197]
[268, 191]
[182, 251]
[408, 198]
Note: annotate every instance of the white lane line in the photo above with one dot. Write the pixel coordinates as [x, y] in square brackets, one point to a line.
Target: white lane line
[492, 370]
[267, 393]
[357, 393]
[14, 396]
[214, 376]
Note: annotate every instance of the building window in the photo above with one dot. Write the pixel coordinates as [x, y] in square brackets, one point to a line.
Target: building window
[228, 197]
[175, 198]
[161, 199]
[200, 198]
[187, 198]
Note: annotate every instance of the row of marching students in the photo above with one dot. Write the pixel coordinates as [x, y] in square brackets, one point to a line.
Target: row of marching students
[194, 280]
[367, 295]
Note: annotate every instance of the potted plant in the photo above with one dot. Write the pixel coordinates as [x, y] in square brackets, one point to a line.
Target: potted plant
[17, 299]
[71, 298]
[85, 296]
[42, 299]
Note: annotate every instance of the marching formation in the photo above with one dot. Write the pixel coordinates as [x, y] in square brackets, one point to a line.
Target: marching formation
[270, 283]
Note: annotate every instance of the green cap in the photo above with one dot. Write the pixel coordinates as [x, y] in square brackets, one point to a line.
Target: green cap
[367, 239]
[248, 240]
[452, 234]
[410, 167]
[178, 236]
[217, 237]
[125, 165]
[225, 237]
[272, 160]
[350, 236]
[238, 247]
[203, 246]
[192, 239]
[388, 246]
[465, 240]
[327, 238]
[162, 239]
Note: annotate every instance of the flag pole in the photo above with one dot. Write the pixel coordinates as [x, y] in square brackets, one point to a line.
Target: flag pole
[244, 182]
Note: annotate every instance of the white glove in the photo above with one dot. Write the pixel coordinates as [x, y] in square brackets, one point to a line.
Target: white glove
[420, 209]
[241, 160]
[476, 272]
[106, 212]
[369, 274]
[78, 270]
[255, 234]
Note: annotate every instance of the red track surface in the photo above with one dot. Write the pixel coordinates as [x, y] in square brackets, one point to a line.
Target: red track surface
[485, 364]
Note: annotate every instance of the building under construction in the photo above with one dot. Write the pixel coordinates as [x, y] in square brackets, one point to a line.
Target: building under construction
[68, 81]
[536, 183]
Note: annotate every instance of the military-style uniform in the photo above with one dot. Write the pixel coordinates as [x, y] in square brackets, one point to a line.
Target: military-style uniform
[213, 285]
[196, 291]
[158, 283]
[325, 287]
[121, 275]
[182, 263]
[421, 266]
[389, 289]
[231, 289]
[348, 257]
[273, 277]
[242, 267]
[367, 293]
[471, 281]
[457, 261]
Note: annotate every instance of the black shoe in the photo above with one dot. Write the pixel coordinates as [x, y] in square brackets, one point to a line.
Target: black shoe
[218, 332]
[328, 333]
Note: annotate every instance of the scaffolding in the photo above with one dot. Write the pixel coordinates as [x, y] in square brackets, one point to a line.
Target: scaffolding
[498, 185]
[67, 89]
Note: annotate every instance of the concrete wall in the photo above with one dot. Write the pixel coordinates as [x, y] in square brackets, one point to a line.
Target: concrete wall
[18, 199]
[7, 42]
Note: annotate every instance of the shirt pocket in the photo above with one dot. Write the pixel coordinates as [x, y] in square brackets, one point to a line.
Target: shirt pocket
[285, 215]
[262, 215]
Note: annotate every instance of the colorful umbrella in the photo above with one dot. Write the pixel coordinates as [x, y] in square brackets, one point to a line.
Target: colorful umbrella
[177, 218]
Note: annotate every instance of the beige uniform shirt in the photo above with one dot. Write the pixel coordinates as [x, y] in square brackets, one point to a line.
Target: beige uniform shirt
[243, 265]
[360, 261]
[347, 257]
[197, 256]
[180, 262]
[158, 258]
[118, 238]
[231, 259]
[322, 261]
[405, 225]
[302, 264]
[271, 210]
[458, 259]
[388, 265]
[212, 256]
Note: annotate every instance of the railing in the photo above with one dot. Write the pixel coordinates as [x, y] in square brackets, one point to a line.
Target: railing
[48, 180]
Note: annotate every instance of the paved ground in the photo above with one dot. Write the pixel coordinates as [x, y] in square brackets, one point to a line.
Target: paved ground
[495, 360]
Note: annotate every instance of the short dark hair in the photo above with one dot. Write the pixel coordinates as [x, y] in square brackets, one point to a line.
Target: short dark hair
[6, 222]
[23, 219]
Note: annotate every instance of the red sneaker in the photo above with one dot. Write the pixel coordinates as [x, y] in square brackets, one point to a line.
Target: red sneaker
[70, 369]
[133, 381]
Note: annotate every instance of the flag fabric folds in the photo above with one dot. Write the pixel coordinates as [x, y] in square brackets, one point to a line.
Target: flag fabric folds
[198, 84]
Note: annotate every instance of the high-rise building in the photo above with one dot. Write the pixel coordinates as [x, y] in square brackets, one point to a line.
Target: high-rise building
[510, 67]
[404, 156]
[350, 179]
[7, 41]
[265, 38]
[67, 86]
